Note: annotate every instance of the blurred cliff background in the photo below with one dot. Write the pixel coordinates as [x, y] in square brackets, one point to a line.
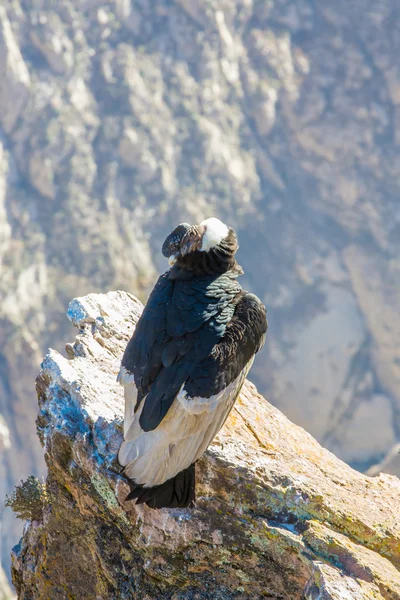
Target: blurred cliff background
[120, 119]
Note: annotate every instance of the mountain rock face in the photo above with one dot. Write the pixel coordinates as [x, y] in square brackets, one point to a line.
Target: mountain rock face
[277, 516]
[120, 119]
[5, 589]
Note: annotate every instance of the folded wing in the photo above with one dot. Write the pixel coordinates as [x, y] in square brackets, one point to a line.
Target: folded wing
[200, 377]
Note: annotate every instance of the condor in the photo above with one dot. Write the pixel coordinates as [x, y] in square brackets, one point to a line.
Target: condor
[186, 362]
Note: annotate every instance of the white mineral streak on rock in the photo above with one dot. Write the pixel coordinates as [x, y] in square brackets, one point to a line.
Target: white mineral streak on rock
[14, 76]
[5, 442]
[5, 227]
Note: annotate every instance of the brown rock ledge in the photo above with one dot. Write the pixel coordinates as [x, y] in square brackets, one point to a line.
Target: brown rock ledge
[277, 515]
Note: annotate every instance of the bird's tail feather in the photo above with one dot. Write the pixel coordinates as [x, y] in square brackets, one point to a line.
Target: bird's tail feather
[178, 492]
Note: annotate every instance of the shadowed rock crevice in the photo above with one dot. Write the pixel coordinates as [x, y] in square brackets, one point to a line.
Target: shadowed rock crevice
[277, 516]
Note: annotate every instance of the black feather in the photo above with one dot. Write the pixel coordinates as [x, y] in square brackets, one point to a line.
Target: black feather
[203, 346]
[243, 337]
[178, 492]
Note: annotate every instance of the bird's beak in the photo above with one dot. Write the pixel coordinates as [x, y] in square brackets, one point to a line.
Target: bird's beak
[172, 259]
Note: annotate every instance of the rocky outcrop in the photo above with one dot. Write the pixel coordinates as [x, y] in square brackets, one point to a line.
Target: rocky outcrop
[121, 119]
[277, 516]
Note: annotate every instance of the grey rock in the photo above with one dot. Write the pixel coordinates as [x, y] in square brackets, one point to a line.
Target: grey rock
[48, 36]
[130, 149]
[14, 76]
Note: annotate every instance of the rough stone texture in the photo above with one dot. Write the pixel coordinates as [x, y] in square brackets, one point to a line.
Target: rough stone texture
[14, 76]
[277, 516]
[121, 119]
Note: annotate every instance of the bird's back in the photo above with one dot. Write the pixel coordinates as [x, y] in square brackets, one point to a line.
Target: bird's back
[181, 323]
[183, 369]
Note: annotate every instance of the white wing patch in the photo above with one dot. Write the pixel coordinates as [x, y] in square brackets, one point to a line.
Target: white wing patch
[127, 379]
[152, 457]
[124, 376]
[198, 405]
[215, 232]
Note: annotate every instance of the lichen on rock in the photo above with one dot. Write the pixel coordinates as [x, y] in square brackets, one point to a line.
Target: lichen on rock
[277, 516]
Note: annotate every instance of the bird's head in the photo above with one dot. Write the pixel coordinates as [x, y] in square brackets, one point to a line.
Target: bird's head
[187, 242]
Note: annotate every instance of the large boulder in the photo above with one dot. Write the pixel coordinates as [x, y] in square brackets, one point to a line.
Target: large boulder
[277, 515]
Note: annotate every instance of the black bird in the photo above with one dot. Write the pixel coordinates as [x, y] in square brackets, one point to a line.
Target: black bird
[186, 362]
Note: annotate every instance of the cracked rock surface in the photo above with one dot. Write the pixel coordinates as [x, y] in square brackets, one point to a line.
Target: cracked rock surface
[277, 516]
